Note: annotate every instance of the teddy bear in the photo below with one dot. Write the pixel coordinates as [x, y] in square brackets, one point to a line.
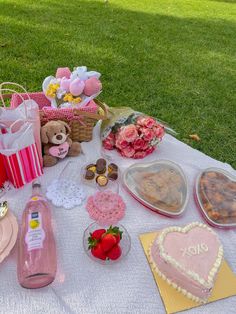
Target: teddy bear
[56, 142]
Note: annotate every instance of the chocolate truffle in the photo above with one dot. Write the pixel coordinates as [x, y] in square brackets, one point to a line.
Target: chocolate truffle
[102, 180]
[112, 176]
[89, 175]
[112, 168]
[101, 166]
[91, 167]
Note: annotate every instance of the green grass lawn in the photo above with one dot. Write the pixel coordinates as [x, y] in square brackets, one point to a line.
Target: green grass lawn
[174, 59]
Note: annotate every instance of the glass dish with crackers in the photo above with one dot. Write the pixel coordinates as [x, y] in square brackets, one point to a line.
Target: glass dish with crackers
[160, 185]
[215, 194]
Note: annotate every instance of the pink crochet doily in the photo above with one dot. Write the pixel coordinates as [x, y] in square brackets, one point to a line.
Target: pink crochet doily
[106, 207]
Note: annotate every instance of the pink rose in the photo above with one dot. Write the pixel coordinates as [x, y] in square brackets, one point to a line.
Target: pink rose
[111, 138]
[148, 134]
[129, 133]
[139, 154]
[150, 150]
[146, 145]
[107, 144]
[120, 142]
[140, 120]
[128, 152]
[149, 122]
[139, 143]
[159, 131]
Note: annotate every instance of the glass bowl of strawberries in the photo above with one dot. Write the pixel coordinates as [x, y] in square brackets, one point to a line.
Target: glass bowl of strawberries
[106, 245]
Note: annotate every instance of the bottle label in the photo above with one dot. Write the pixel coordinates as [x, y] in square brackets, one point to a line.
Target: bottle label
[35, 235]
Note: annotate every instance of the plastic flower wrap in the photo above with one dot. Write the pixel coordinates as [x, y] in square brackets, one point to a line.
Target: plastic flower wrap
[132, 133]
[72, 89]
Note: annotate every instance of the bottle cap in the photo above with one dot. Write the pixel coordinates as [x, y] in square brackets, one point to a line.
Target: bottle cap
[36, 184]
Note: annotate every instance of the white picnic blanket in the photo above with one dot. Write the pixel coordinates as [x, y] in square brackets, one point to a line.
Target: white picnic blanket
[83, 286]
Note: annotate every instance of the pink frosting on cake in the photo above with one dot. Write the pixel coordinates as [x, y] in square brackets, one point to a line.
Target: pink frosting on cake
[179, 278]
[188, 258]
[175, 243]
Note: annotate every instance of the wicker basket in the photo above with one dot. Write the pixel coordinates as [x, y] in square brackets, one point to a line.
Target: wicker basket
[81, 121]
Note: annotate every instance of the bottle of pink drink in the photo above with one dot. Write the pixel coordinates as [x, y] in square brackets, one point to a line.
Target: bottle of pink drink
[37, 262]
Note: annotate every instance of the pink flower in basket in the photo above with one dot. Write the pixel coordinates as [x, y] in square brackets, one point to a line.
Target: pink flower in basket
[129, 133]
[63, 72]
[65, 84]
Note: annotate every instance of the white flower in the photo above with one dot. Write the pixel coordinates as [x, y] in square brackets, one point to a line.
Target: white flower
[83, 74]
[66, 105]
[60, 93]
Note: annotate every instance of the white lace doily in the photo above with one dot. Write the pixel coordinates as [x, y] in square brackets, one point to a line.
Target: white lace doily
[65, 193]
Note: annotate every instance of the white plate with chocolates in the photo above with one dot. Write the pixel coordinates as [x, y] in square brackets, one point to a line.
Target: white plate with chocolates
[101, 174]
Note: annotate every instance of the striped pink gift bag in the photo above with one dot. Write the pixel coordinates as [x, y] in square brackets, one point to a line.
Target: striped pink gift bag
[20, 155]
[20, 146]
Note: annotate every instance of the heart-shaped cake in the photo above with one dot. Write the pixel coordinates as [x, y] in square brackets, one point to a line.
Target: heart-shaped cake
[216, 196]
[188, 258]
[159, 185]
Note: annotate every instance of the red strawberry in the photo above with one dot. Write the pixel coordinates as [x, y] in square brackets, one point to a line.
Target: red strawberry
[98, 252]
[115, 231]
[97, 234]
[117, 236]
[107, 242]
[115, 252]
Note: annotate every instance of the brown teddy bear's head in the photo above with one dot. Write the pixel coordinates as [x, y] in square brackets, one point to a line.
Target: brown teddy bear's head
[55, 132]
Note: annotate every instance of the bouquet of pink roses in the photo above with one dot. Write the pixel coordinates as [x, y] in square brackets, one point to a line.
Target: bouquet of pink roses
[133, 134]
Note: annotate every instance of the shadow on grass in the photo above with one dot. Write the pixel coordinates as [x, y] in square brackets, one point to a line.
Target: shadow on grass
[180, 69]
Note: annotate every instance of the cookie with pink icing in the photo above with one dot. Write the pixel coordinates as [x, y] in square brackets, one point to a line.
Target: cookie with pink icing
[188, 258]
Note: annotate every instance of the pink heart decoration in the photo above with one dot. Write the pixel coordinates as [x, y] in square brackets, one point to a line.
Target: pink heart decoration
[59, 151]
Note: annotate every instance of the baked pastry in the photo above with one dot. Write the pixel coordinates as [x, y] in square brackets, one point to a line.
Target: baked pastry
[188, 259]
[217, 195]
[161, 189]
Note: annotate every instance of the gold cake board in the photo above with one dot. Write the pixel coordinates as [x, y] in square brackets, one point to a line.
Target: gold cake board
[174, 301]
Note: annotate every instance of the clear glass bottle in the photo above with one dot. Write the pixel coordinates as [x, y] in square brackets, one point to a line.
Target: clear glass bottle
[37, 261]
